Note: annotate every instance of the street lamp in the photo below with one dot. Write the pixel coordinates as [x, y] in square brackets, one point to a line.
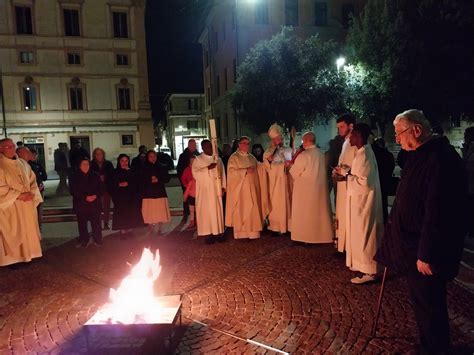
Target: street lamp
[340, 63]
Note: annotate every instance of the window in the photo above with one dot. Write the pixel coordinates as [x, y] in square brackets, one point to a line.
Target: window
[208, 96]
[127, 140]
[225, 79]
[193, 125]
[124, 99]
[226, 125]
[71, 22]
[206, 58]
[121, 59]
[30, 98]
[74, 58]
[261, 12]
[196, 104]
[234, 70]
[347, 13]
[218, 86]
[320, 13]
[26, 57]
[120, 24]
[76, 98]
[216, 40]
[190, 104]
[291, 13]
[170, 106]
[24, 22]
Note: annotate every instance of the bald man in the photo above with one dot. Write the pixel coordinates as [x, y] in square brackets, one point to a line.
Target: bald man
[311, 211]
[19, 197]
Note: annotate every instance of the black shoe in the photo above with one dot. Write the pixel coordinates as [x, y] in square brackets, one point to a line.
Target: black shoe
[210, 240]
[221, 239]
[106, 227]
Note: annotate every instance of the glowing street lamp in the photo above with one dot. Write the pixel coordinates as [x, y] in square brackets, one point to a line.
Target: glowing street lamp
[340, 63]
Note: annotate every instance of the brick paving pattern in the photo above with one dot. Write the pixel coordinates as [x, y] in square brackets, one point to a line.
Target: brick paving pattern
[238, 297]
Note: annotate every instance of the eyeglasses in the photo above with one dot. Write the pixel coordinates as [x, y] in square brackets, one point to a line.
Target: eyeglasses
[399, 134]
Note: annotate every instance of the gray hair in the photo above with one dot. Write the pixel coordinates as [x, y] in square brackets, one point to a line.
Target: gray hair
[413, 117]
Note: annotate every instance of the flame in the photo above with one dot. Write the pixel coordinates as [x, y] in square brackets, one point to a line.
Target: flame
[134, 301]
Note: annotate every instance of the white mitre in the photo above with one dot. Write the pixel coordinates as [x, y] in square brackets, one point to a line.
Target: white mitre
[274, 131]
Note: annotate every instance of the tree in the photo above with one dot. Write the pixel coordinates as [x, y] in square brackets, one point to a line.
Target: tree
[289, 80]
[417, 54]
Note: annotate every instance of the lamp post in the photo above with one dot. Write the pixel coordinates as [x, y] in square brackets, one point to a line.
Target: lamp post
[340, 63]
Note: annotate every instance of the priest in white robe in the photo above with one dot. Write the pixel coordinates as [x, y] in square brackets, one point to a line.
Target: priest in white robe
[243, 193]
[364, 216]
[274, 158]
[311, 209]
[345, 123]
[19, 196]
[210, 186]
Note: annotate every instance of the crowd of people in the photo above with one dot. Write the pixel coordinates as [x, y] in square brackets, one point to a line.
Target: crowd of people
[284, 189]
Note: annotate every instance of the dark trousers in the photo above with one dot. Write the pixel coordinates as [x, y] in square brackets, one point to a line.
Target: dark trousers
[428, 297]
[92, 216]
[185, 204]
[385, 207]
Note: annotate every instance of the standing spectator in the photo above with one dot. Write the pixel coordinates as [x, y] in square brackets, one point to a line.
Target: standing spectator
[183, 162]
[20, 144]
[332, 160]
[19, 196]
[257, 152]
[386, 166]
[61, 166]
[123, 187]
[77, 154]
[86, 191]
[31, 157]
[226, 153]
[139, 161]
[104, 168]
[165, 160]
[189, 195]
[424, 234]
[364, 218]
[468, 156]
[155, 207]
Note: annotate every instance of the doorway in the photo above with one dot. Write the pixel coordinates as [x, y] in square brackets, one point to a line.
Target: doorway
[36, 143]
[84, 141]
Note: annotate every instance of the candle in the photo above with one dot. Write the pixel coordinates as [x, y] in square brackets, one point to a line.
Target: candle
[212, 128]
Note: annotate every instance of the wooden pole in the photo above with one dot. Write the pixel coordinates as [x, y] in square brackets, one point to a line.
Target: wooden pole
[379, 303]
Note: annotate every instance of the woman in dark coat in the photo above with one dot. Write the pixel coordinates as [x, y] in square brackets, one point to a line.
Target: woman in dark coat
[104, 168]
[155, 207]
[123, 188]
[86, 192]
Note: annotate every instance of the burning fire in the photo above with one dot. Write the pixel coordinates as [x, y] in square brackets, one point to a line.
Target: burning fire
[134, 301]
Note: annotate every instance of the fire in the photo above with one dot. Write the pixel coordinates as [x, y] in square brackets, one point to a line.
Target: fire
[134, 301]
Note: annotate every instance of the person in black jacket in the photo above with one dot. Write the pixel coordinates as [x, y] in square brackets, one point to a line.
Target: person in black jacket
[104, 168]
[183, 163]
[123, 187]
[155, 207]
[85, 187]
[386, 165]
[139, 161]
[76, 154]
[424, 234]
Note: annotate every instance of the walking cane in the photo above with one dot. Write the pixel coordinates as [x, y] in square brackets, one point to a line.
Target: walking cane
[379, 303]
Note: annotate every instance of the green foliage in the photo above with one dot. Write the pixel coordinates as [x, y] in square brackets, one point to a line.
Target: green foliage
[417, 54]
[288, 80]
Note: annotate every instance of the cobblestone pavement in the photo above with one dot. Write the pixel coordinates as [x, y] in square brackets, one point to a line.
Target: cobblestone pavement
[238, 297]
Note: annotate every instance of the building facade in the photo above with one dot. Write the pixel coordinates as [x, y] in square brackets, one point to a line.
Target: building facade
[233, 27]
[75, 71]
[184, 121]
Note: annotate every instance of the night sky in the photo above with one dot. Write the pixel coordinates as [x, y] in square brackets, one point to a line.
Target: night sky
[174, 57]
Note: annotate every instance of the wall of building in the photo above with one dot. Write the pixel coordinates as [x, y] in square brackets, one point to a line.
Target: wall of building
[98, 73]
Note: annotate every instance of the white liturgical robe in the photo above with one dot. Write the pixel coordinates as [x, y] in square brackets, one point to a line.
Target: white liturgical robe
[311, 211]
[243, 196]
[348, 154]
[364, 215]
[209, 209]
[19, 230]
[279, 216]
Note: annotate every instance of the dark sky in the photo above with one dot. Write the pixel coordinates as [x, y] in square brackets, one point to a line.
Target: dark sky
[174, 57]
